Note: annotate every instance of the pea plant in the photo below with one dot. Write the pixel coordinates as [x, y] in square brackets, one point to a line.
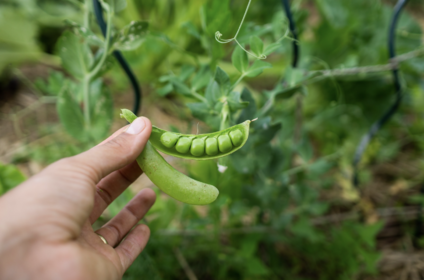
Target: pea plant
[84, 102]
[279, 174]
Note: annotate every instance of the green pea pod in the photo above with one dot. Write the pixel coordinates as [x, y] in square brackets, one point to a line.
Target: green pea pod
[169, 180]
[230, 140]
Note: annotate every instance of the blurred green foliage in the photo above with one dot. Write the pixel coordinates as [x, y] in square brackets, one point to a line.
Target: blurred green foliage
[295, 169]
[10, 177]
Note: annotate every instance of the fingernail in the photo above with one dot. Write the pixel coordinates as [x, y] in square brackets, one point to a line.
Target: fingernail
[136, 126]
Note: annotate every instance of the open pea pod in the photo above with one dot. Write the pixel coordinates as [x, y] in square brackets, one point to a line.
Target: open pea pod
[168, 179]
[203, 146]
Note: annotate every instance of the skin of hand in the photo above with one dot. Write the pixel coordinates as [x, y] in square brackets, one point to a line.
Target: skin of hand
[45, 223]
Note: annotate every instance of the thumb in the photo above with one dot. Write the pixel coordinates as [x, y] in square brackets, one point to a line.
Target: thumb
[115, 153]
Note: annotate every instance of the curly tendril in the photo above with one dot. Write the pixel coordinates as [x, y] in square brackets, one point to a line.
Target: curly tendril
[218, 36]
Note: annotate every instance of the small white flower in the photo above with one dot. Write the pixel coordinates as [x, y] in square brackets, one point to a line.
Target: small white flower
[222, 168]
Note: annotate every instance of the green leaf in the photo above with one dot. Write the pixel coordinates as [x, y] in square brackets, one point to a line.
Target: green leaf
[223, 81]
[240, 60]
[180, 87]
[318, 208]
[89, 36]
[212, 93]
[120, 202]
[256, 45]
[249, 246]
[216, 16]
[202, 78]
[257, 68]
[305, 149]
[106, 66]
[319, 168]
[199, 110]
[18, 36]
[118, 5]
[250, 111]
[54, 84]
[417, 199]
[165, 90]
[255, 267]
[280, 92]
[204, 113]
[303, 228]
[235, 102]
[71, 116]
[10, 177]
[186, 72]
[191, 29]
[76, 56]
[272, 48]
[101, 110]
[368, 233]
[131, 36]
[143, 265]
[294, 76]
[335, 12]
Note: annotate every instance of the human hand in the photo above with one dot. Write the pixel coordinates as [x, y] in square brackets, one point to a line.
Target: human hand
[45, 230]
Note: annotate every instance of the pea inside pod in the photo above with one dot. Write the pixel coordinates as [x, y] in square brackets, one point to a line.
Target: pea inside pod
[224, 143]
[236, 137]
[211, 147]
[183, 145]
[169, 139]
[198, 147]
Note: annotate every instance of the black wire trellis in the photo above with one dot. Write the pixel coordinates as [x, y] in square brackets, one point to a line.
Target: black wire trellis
[120, 58]
[396, 80]
[398, 88]
[292, 26]
[386, 117]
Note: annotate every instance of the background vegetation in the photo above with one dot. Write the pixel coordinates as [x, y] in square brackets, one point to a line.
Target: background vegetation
[287, 207]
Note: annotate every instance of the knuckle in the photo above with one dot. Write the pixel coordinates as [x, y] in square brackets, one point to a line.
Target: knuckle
[117, 143]
[114, 230]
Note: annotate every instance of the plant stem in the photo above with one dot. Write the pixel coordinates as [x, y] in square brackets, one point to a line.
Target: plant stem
[86, 92]
[184, 264]
[267, 106]
[75, 2]
[394, 63]
[89, 76]
[198, 96]
[87, 14]
[238, 81]
[299, 119]
[224, 116]
[106, 47]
